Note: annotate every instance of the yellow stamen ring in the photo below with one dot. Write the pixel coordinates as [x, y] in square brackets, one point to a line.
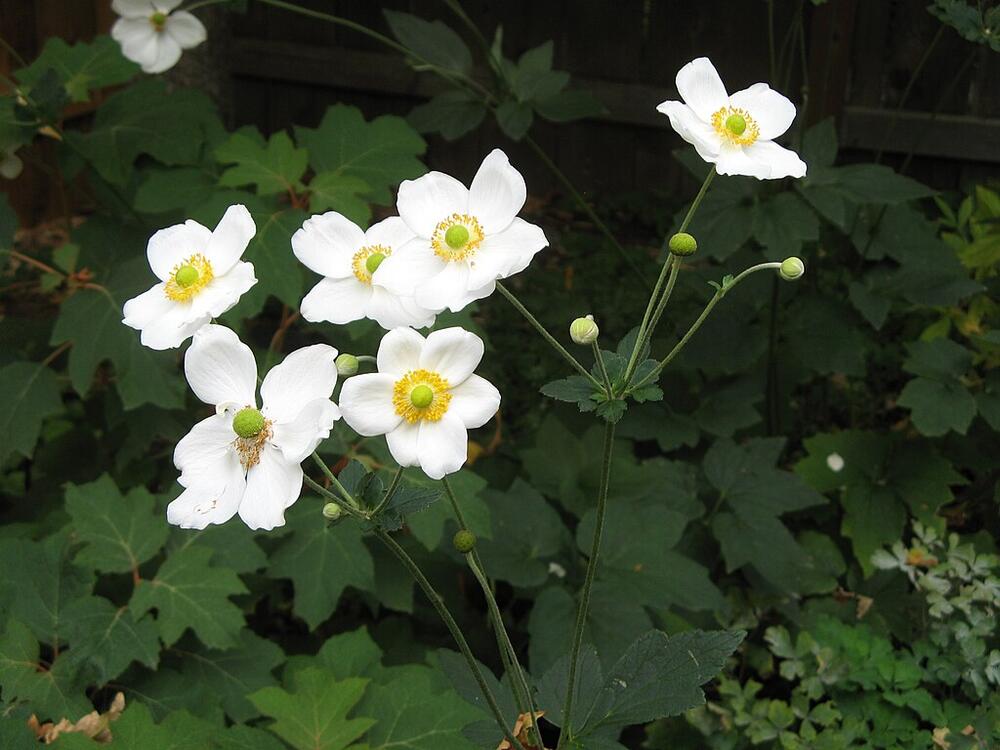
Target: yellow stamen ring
[421, 395]
[736, 126]
[457, 237]
[188, 278]
[367, 259]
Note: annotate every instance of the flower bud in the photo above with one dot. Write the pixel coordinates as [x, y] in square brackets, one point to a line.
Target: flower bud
[332, 511]
[584, 331]
[347, 365]
[791, 268]
[464, 541]
[683, 244]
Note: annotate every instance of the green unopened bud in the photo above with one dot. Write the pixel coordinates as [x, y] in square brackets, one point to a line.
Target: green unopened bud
[791, 269]
[421, 396]
[332, 511]
[683, 244]
[736, 124]
[347, 365]
[248, 422]
[186, 276]
[456, 236]
[464, 541]
[374, 261]
[584, 331]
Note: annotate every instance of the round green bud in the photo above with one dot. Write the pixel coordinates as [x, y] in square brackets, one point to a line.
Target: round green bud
[421, 396]
[186, 276]
[159, 20]
[347, 365]
[456, 236]
[735, 124]
[683, 244]
[791, 269]
[464, 541]
[374, 261]
[248, 422]
[332, 511]
[584, 331]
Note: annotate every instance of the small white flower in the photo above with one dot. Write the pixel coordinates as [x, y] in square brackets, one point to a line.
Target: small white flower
[351, 259]
[10, 163]
[152, 34]
[466, 238]
[243, 459]
[423, 398]
[201, 276]
[736, 133]
[835, 462]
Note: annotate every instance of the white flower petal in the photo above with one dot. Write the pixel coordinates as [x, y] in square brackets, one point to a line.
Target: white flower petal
[701, 88]
[366, 403]
[137, 38]
[506, 253]
[224, 292]
[497, 194]
[133, 9]
[474, 401]
[220, 368]
[305, 375]
[169, 247]
[230, 238]
[692, 129]
[10, 164]
[424, 202]
[442, 446]
[453, 353]
[392, 310]
[737, 161]
[168, 52]
[327, 243]
[781, 162]
[399, 352]
[337, 301]
[299, 438]
[272, 485]
[409, 267]
[164, 6]
[206, 452]
[186, 30]
[772, 111]
[402, 443]
[164, 324]
[197, 507]
[391, 233]
[448, 288]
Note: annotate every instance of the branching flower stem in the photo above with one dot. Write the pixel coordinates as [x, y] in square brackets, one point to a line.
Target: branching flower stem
[566, 732]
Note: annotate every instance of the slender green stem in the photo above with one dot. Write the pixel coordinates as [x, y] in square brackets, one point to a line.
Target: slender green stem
[546, 335]
[347, 497]
[393, 486]
[342, 502]
[456, 632]
[719, 294]
[592, 215]
[13, 52]
[645, 329]
[603, 368]
[566, 732]
[662, 305]
[205, 4]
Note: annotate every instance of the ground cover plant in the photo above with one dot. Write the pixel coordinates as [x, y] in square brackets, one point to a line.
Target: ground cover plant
[306, 446]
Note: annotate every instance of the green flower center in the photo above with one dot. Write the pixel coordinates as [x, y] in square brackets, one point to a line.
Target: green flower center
[421, 396]
[736, 124]
[186, 276]
[248, 422]
[374, 261]
[159, 20]
[456, 236]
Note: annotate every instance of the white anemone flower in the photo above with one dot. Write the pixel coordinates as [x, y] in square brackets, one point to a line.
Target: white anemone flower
[153, 34]
[245, 459]
[423, 398]
[736, 133]
[467, 238]
[10, 163]
[350, 259]
[201, 276]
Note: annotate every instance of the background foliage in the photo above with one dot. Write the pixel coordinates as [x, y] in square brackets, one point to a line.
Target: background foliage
[868, 585]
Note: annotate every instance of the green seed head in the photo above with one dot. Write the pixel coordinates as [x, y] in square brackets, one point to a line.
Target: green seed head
[421, 396]
[584, 331]
[159, 20]
[347, 365]
[683, 244]
[332, 511]
[791, 269]
[374, 261]
[464, 541]
[248, 422]
[186, 276]
[735, 124]
[456, 236]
